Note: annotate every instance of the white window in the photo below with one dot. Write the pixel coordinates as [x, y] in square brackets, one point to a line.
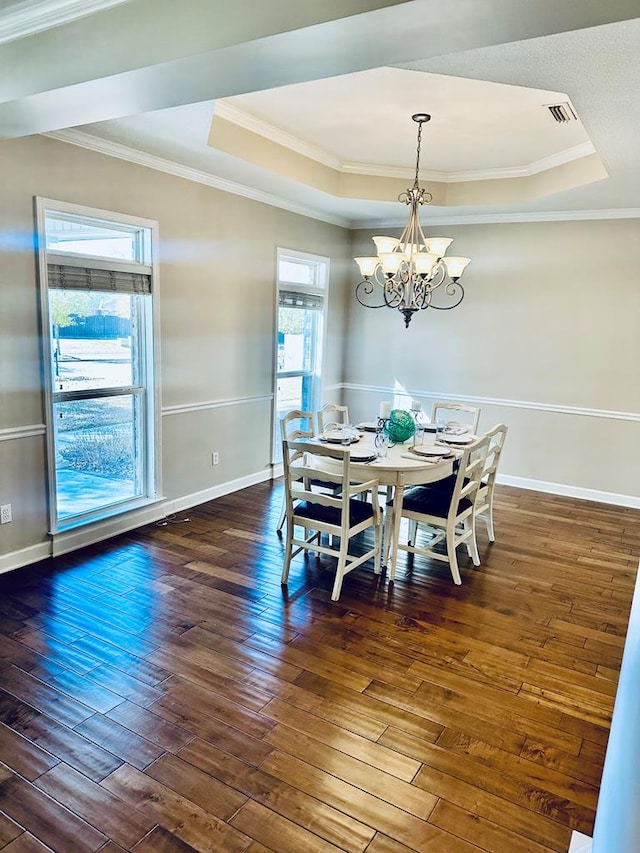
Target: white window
[97, 294]
[301, 301]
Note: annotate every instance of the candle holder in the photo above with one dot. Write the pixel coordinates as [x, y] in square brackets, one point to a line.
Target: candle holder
[380, 431]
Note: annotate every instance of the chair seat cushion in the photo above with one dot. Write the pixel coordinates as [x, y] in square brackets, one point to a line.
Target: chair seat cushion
[359, 511]
[433, 499]
[326, 484]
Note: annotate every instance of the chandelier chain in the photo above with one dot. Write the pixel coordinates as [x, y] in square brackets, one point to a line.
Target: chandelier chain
[415, 183]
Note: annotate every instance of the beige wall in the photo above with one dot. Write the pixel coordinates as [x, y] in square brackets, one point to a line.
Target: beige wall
[551, 316]
[550, 321]
[217, 308]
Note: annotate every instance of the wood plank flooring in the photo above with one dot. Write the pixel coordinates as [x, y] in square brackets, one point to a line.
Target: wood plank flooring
[161, 693]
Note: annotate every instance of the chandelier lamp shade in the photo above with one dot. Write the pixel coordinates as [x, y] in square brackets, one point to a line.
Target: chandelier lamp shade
[407, 271]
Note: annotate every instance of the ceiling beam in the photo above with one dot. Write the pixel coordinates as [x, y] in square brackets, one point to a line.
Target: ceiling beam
[139, 56]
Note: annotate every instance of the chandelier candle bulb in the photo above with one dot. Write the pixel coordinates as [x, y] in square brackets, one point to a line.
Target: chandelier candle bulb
[411, 268]
[416, 405]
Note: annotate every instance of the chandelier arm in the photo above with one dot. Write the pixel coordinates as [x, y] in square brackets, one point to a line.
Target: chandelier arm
[367, 286]
[451, 289]
[438, 276]
[422, 295]
[393, 293]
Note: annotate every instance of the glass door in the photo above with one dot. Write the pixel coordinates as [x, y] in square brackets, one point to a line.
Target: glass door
[300, 326]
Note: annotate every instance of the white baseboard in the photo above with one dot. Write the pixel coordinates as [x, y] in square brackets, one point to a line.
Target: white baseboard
[569, 491]
[579, 843]
[24, 557]
[90, 534]
[210, 494]
[64, 543]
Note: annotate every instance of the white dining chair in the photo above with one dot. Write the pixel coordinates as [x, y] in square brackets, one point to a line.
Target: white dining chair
[484, 505]
[332, 414]
[447, 508]
[338, 515]
[456, 412]
[295, 424]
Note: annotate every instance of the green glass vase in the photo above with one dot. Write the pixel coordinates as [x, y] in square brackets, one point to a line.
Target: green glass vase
[400, 426]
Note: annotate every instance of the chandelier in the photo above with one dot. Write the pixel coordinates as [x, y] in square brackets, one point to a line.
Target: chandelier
[409, 269]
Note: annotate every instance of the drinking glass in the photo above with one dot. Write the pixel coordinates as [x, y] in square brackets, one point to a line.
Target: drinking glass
[382, 446]
[349, 434]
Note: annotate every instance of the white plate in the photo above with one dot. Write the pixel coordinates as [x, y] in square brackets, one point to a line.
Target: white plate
[456, 429]
[431, 450]
[336, 438]
[368, 426]
[457, 439]
[362, 456]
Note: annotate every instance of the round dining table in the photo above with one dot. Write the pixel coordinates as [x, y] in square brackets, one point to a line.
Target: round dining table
[401, 467]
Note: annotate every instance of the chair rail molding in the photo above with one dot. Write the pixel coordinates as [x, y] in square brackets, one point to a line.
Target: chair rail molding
[185, 408]
[27, 431]
[414, 393]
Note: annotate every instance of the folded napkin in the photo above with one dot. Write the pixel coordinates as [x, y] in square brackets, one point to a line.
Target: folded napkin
[430, 459]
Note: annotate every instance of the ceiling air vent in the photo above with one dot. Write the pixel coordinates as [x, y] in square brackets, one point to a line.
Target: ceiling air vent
[562, 112]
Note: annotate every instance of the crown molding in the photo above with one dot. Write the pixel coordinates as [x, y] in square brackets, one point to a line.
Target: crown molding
[498, 218]
[402, 172]
[307, 149]
[151, 161]
[558, 159]
[275, 134]
[33, 16]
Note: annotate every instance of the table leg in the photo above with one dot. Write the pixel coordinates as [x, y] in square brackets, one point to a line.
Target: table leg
[387, 527]
[396, 516]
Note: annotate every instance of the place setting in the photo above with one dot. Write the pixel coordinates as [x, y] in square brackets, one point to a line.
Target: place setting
[344, 434]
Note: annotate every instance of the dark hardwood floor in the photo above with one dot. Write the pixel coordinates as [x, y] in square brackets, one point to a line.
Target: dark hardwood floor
[160, 692]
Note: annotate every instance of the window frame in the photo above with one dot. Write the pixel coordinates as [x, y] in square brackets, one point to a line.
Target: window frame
[146, 393]
[320, 287]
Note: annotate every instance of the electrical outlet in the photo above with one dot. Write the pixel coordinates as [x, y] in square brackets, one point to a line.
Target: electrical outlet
[5, 514]
[215, 458]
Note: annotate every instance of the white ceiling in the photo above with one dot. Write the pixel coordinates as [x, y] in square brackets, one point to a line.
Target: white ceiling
[365, 118]
[479, 87]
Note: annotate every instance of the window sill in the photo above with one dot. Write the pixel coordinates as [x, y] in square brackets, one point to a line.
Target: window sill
[79, 534]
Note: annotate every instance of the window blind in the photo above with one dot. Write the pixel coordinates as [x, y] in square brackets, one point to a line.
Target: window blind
[67, 277]
[296, 299]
